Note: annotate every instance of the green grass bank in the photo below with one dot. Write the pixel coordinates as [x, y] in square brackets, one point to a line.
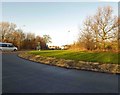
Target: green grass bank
[101, 57]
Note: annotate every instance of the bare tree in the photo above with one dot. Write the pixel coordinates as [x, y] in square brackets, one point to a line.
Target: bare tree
[47, 38]
[87, 37]
[102, 26]
[106, 24]
[6, 29]
[20, 38]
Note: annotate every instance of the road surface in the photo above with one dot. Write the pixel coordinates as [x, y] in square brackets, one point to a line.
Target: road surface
[23, 76]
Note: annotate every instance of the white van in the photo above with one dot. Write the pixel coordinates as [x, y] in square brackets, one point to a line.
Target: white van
[7, 47]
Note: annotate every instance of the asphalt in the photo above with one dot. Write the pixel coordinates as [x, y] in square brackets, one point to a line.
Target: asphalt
[23, 76]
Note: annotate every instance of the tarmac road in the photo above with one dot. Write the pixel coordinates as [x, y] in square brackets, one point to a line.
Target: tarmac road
[23, 76]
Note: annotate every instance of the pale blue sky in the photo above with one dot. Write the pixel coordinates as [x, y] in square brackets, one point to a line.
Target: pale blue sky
[54, 18]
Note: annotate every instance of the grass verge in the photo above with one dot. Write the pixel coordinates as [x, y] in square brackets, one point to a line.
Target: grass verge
[101, 57]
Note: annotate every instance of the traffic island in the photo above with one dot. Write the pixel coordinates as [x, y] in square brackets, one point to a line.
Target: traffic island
[80, 65]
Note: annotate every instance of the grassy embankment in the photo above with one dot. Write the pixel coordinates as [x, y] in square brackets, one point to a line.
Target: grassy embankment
[101, 57]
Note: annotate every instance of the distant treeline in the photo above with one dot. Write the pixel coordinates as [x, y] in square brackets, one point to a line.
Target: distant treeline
[10, 33]
[100, 32]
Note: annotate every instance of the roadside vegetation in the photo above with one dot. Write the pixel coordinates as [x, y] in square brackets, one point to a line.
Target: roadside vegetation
[100, 31]
[10, 33]
[101, 57]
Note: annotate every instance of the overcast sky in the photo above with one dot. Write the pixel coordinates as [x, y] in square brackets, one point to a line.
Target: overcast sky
[52, 18]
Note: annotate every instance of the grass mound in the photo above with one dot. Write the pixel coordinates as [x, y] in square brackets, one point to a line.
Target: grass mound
[101, 57]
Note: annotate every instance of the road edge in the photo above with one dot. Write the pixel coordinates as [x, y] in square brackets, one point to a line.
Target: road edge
[71, 64]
